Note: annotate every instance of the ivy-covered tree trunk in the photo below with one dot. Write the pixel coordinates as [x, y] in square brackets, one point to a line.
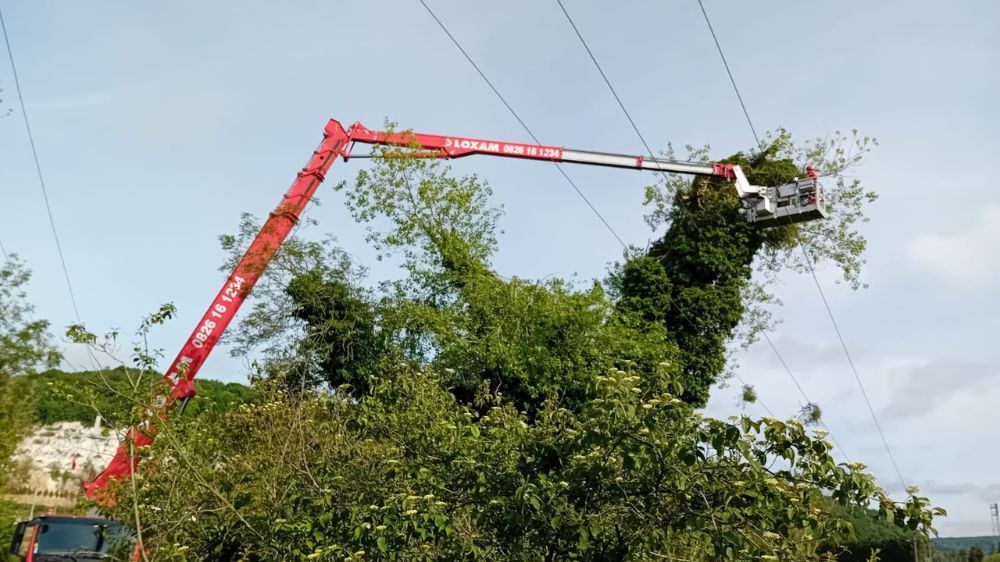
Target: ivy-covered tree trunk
[703, 265]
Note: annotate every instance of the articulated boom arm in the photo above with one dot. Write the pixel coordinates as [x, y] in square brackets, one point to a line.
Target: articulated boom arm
[202, 341]
[796, 202]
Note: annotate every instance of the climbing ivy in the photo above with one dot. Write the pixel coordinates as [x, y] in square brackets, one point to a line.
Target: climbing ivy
[710, 253]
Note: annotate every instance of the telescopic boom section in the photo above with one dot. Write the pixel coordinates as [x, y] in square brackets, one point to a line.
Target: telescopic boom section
[786, 204]
[799, 201]
[455, 147]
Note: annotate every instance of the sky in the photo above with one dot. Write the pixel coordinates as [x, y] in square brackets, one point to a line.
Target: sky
[158, 124]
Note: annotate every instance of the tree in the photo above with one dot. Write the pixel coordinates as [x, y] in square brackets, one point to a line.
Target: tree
[341, 331]
[492, 418]
[690, 293]
[871, 533]
[25, 346]
[704, 288]
[307, 312]
[25, 343]
[975, 554]
[526, 339]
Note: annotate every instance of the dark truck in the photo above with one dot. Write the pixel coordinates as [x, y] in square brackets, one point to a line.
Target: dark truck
[65, 538]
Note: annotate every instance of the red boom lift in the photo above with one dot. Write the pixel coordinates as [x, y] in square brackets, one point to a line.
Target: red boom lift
[799, 201]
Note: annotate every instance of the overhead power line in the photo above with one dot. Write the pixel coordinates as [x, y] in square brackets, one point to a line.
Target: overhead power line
[730, 73]
[639, 134]
[532, 135]
[38, 168]
[606, 80]
[635, 127]
[524, 126]
[812, 270]
[802, 392]
[854, 369]
[45, 195]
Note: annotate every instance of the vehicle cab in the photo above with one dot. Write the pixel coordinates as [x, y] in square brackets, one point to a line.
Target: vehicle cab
[64, 538]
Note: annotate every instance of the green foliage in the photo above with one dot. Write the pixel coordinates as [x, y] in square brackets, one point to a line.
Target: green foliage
[533, 340]
[80, 396]
[687, 295]
[709, 251]
[440, 224]
[410, 474]
[340, 332]
[270, 324]
[952, 544]
[872, 533]
[643, 287]
[835, 239]
[706, 256]
[456, 414]
[25, 345]
[526, 339]
[10, 514]
[811, 414]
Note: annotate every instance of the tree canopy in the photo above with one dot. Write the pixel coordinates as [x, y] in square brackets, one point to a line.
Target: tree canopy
[455, 413]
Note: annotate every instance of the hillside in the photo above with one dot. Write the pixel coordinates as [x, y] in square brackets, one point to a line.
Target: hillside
[79, 396]
[947, 544]
[69, 443]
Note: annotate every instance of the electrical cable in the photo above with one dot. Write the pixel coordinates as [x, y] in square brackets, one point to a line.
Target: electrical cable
[730, 73]
[638, 133]
[41, 182]
[532, 135]
[38, 168]
[521, 121]
[802, 391]
[854, 369]
[812, 271]
[606, 80]
[631, 121]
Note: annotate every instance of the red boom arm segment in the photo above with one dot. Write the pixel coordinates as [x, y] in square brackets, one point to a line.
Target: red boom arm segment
[199, 345]
[455, 147]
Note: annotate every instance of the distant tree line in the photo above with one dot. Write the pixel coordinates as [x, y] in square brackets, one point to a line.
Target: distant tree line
[59, 396]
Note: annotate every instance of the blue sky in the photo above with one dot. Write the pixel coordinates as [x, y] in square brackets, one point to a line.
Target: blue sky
[158, 124]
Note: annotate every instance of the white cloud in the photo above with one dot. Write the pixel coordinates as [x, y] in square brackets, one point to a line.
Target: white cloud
[969, 256]
[929, 384]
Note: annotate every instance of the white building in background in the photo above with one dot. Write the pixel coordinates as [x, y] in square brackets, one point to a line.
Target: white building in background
[56, 456]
